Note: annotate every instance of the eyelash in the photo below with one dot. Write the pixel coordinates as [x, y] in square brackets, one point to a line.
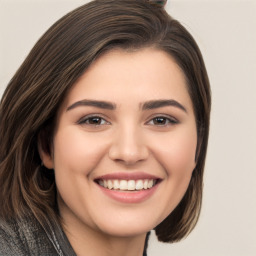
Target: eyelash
[88, 118]
[168, 121]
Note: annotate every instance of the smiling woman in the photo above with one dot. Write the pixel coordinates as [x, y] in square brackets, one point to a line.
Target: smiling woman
[104, 133]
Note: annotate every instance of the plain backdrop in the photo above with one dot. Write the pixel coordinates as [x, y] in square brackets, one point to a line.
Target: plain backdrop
[226, 33]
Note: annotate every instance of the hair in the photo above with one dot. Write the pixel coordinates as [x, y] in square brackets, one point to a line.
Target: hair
[33, 97]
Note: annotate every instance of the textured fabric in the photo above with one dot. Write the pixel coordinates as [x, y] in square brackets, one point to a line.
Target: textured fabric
[27, 237]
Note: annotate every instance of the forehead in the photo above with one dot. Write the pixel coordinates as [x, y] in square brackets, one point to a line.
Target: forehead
[140, 75]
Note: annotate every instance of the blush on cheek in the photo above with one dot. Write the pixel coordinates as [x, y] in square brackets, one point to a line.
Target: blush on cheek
[185, 160]
[179, 159]
[78, 153]
[186, 150]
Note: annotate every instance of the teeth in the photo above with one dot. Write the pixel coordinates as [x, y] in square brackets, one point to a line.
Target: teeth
[130, 185]
[110, 185]
[150, 183]
[145, 185]
[139, 185]
[116, 184]
[123, 185]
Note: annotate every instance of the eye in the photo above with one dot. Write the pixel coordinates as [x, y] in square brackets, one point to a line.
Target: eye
[162, 121]
[93, 121]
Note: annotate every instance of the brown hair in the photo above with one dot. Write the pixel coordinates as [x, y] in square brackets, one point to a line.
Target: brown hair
[32, 98]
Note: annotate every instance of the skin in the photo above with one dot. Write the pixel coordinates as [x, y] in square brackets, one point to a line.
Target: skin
[125, 139]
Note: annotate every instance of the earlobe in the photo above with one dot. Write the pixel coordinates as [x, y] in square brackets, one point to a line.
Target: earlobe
[45, 154]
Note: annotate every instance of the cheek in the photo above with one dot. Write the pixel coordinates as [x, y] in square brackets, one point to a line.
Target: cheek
[182, 153]
[176, 153]
[77, 152]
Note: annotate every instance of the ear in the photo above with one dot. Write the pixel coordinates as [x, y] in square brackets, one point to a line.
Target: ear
[45, 151]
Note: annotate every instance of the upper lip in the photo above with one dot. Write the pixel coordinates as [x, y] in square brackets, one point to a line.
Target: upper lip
[127, 176]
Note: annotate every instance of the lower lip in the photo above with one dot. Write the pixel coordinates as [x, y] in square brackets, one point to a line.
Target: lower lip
[131, 196]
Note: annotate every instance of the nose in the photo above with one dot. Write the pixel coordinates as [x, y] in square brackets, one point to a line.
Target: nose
[128, 147]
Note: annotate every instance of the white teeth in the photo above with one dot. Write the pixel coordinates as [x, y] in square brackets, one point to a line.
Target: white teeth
[123, 185]
[116, 184]
[150, 183]
[145, 185]
[130, 185]
[110, 185]
[139, 184]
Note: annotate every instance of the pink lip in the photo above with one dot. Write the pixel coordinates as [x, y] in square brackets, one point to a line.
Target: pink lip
[127, 176]
[129, 196]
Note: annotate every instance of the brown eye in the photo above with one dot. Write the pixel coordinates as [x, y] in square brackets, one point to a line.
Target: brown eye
[162, 121]
[93, 120]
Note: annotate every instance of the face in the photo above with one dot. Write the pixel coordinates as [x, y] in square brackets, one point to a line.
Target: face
[124, 145]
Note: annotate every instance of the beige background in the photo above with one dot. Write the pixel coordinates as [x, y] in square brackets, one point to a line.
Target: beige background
[226, 33]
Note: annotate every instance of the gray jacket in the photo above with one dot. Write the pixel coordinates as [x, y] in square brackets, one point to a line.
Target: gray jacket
[26, 237]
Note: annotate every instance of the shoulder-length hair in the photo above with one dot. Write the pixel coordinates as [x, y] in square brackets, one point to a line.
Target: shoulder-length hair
[32, 98]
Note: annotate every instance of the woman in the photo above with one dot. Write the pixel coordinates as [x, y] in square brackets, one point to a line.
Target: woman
[104, 133]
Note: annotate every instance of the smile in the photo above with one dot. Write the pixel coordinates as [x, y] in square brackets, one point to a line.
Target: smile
[127, 185]
[125, 195]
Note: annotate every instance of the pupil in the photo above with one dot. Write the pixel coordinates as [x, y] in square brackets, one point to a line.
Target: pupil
[95, 120]
[160, 120]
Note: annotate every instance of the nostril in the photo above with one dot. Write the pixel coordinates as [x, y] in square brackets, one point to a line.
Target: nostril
[128, 154]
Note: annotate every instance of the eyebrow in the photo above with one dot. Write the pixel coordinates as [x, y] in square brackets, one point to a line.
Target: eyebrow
[93, 103]
[152, 104]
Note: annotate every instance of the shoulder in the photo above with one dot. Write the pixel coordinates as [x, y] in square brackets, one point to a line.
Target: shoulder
[10, 240]
[24, 237]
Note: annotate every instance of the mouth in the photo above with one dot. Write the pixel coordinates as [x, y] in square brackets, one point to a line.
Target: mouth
[127, 184]
[128, 187]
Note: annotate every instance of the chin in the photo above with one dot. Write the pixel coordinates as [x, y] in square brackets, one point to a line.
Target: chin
[129, 224]
[126, 230]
